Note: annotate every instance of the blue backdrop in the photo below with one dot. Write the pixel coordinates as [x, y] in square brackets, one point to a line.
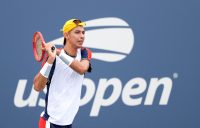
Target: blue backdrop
[151, 80]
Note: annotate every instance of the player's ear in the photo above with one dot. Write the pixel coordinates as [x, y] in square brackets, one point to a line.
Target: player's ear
[66, 35]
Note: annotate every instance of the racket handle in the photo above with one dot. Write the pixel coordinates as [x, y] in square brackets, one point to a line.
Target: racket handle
[53, 48]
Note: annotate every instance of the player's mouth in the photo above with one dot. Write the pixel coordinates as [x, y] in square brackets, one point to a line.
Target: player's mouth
[80, 42]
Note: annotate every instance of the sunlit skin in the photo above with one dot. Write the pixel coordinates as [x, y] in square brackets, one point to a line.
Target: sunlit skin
[75, 37]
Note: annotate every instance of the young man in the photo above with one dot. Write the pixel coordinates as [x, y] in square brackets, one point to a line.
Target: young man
[63, 74]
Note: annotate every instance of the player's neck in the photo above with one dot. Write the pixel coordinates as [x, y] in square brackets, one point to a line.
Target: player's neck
[70, 50]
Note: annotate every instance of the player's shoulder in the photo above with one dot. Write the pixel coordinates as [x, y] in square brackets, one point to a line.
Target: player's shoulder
[85, 48]
[86, 53]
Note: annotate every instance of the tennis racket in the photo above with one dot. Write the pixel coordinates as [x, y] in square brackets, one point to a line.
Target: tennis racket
[38, 46]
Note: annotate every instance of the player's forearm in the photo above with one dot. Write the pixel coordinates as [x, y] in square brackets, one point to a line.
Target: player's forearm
[80, 67]
[40, 79]
[39, 82]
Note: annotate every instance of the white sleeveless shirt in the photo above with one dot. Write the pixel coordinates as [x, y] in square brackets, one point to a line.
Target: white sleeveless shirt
[64, 93]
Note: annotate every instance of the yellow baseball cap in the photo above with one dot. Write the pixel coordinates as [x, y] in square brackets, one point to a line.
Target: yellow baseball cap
[72, 23]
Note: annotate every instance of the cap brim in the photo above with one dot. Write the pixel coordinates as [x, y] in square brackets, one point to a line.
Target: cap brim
[82, 24]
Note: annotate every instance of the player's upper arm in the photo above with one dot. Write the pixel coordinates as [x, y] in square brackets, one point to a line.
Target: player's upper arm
[84, 65]
[80, 66]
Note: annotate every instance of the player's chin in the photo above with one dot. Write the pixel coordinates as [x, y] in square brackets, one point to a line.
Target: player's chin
[79, 44]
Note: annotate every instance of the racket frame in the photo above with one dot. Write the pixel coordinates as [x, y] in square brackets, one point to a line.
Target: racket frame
[34, 41]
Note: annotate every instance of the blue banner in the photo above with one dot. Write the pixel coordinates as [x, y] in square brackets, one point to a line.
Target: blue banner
[145, 62]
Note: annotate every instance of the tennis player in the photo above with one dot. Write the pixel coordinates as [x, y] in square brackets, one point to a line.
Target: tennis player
[62, 75]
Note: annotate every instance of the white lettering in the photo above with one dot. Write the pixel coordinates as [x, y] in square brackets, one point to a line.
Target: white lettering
[154, 84]
[99, 97]
[130, 90]
[90, 90]
[18, 98]
[131, 93]
[41, 102]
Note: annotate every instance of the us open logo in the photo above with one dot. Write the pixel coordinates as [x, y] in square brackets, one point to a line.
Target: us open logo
[111, 38]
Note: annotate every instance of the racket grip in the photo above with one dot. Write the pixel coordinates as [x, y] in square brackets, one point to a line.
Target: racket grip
[53, 48]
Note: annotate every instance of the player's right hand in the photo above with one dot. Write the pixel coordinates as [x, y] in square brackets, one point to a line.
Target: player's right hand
[51, 53]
